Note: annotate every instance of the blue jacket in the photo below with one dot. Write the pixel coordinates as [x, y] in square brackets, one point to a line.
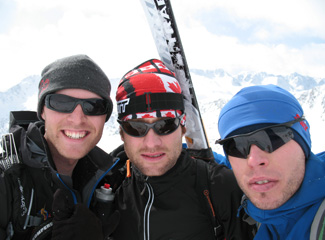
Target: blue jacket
[293, 219]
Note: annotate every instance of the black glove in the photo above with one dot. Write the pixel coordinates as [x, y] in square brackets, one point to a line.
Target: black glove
[73, 221]
[112, 224]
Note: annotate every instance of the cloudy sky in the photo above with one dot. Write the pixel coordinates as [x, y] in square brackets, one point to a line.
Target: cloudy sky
[278, 37]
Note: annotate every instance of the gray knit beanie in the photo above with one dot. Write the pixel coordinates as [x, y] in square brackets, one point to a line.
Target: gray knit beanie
[78, 71]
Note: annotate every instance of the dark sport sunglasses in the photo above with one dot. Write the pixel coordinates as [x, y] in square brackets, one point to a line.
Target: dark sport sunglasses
[267, 139]
[66, 104]
[161, 127]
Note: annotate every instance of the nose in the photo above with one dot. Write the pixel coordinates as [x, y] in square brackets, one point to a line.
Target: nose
[152, 139]
[77, 116]
[257, 157]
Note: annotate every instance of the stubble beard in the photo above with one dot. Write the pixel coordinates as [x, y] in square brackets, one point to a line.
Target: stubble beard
[294, 182]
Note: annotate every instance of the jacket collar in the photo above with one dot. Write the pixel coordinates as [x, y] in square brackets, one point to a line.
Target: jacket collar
[163, 183]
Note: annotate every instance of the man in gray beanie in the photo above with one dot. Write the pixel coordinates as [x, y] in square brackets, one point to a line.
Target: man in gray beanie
[49, 193]
[78, 72]
[267, 141]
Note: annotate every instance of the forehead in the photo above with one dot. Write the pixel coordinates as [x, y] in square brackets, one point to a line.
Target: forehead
[78, 93]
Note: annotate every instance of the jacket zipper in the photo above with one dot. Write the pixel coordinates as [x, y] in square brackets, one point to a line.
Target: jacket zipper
[146, 218]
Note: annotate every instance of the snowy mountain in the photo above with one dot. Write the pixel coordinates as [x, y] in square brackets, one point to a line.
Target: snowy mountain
[23, 96]
[213, 89]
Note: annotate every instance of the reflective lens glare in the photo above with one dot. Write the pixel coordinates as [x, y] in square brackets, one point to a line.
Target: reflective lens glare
[66, 104]
[267, 139]
[140, 129]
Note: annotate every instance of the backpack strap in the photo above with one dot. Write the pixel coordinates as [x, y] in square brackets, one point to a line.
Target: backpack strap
[10, 142]
[203, 189]
[22, 119]
[317, 231]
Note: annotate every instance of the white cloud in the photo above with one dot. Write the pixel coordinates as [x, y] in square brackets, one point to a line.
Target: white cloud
[116, 35]
[287, 37]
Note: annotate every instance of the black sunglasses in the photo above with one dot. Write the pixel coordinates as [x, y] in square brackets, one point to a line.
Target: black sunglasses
[267, 139]
[161, 127]
[66, 104]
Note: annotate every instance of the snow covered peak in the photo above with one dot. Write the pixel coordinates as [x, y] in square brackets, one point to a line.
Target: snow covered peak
[213, 89]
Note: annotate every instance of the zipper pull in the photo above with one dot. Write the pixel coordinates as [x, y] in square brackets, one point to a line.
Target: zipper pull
[144, 186]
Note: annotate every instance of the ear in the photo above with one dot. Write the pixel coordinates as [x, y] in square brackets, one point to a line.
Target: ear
[43, 114]
[121, 134]
[183, 131]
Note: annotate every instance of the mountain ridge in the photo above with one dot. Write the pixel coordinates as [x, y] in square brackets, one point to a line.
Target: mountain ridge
[213, 89]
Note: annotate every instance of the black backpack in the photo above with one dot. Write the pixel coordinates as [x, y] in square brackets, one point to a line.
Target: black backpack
[10, 161]
[203, 190]
[8, 142]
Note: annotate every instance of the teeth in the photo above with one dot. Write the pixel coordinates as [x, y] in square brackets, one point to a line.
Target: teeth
[262, 182]
[75, 135]
[153, 156]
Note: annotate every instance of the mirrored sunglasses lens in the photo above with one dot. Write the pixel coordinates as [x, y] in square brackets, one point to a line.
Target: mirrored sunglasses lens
[140, 129]
[166, 126]
[136, 129]
[94, 106]
[232, 149]
[268, 140]
[279, 136]
[61, 103]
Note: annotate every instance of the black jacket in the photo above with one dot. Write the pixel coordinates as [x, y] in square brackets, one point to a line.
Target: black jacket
[168, 206]
[36, 179]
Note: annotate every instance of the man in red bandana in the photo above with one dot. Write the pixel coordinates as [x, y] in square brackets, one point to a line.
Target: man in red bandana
[160, 198]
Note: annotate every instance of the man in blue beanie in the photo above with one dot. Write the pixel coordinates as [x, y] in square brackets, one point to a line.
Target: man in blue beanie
[267, 142]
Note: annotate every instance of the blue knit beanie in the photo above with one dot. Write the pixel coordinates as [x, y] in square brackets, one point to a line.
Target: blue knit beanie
[264, 104]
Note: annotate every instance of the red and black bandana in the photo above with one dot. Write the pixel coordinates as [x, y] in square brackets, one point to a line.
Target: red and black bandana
[149, 90]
